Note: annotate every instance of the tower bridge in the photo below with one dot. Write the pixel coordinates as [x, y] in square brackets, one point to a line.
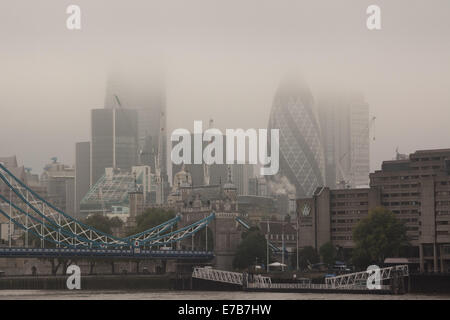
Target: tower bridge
[66, 236]
[62, 235]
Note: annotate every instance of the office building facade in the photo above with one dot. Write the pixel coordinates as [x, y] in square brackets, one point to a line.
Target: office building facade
[301, 153]
[416, 190]
[344, 122]
[82, 172]
[114, 140]
[143, 92]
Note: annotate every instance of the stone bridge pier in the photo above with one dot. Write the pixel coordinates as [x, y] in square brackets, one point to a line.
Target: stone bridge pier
[226, 234]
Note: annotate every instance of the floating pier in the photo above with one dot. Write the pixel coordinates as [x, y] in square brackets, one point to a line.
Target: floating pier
[347, 283]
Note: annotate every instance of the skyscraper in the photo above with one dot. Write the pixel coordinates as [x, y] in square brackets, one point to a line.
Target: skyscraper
[144, 92]
[82, 172]
[241, 174]
[218, 172]
[344, 119]
[114, 140]
[301, 153]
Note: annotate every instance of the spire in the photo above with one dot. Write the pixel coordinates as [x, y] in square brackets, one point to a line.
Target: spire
[229, 184]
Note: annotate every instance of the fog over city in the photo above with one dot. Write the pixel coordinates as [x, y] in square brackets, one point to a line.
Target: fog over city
[222, 60]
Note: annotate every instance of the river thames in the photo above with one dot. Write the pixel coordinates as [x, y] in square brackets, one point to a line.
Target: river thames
[198, 295]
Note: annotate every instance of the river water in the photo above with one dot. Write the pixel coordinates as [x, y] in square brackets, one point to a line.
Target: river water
[198, 295]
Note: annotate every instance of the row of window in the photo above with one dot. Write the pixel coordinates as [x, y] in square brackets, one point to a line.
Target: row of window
[412, 211]
[342, 229]
[342, 212]
[400, 186]
[427, 159]
[345, 220]
[397, 178]
[426, 168]
[404, 194]
[402, 203]
[341, 238]
[349, 204]
[279, 237]
[348, 195]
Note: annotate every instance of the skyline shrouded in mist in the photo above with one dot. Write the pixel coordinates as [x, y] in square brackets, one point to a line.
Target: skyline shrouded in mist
[222, 60]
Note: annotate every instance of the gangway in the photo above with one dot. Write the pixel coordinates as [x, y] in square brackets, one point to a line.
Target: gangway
[360, 278]
[217, 275]
[352, 283]
[207, 273]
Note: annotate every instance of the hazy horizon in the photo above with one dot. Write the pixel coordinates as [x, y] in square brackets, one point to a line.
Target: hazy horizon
[221, 59]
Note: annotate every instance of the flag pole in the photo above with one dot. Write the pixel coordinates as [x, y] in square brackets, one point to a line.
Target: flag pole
[267, 244]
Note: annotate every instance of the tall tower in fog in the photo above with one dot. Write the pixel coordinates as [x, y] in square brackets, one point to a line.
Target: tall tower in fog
[145, 93]
[114, 141]
[344, 119]
[301, 153]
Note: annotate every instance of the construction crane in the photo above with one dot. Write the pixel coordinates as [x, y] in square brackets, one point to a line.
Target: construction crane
[346, 181]
[117, 100]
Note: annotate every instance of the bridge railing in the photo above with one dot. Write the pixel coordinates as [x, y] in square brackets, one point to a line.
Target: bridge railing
[262, 282]
[230, 277]
[38, 217]
[315, 286]
[217, 275]
[360, 278]
[84, 252]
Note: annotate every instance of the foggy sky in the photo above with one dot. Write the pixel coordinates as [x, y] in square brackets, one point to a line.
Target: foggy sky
[222, 59]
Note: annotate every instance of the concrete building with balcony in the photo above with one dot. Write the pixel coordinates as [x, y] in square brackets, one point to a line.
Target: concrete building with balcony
[416, 190]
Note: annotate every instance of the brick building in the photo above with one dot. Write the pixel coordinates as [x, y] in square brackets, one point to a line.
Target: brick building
[416, 189]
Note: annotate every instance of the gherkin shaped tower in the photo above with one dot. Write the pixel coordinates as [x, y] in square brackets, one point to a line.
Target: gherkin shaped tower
[301, 152]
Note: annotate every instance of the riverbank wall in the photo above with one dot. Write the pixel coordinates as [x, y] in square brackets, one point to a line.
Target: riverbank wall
[97, 282]
[416, 283]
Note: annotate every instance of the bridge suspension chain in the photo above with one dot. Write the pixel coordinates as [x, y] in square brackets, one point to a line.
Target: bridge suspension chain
[43, 210]
[178, 235]
[36, 215]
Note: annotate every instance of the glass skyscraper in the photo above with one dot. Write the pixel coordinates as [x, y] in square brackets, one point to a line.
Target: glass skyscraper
[301, 152]
[143, 92]
[114, 140]
[344, 119]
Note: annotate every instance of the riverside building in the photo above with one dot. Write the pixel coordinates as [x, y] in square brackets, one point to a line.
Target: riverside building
[416, 190]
